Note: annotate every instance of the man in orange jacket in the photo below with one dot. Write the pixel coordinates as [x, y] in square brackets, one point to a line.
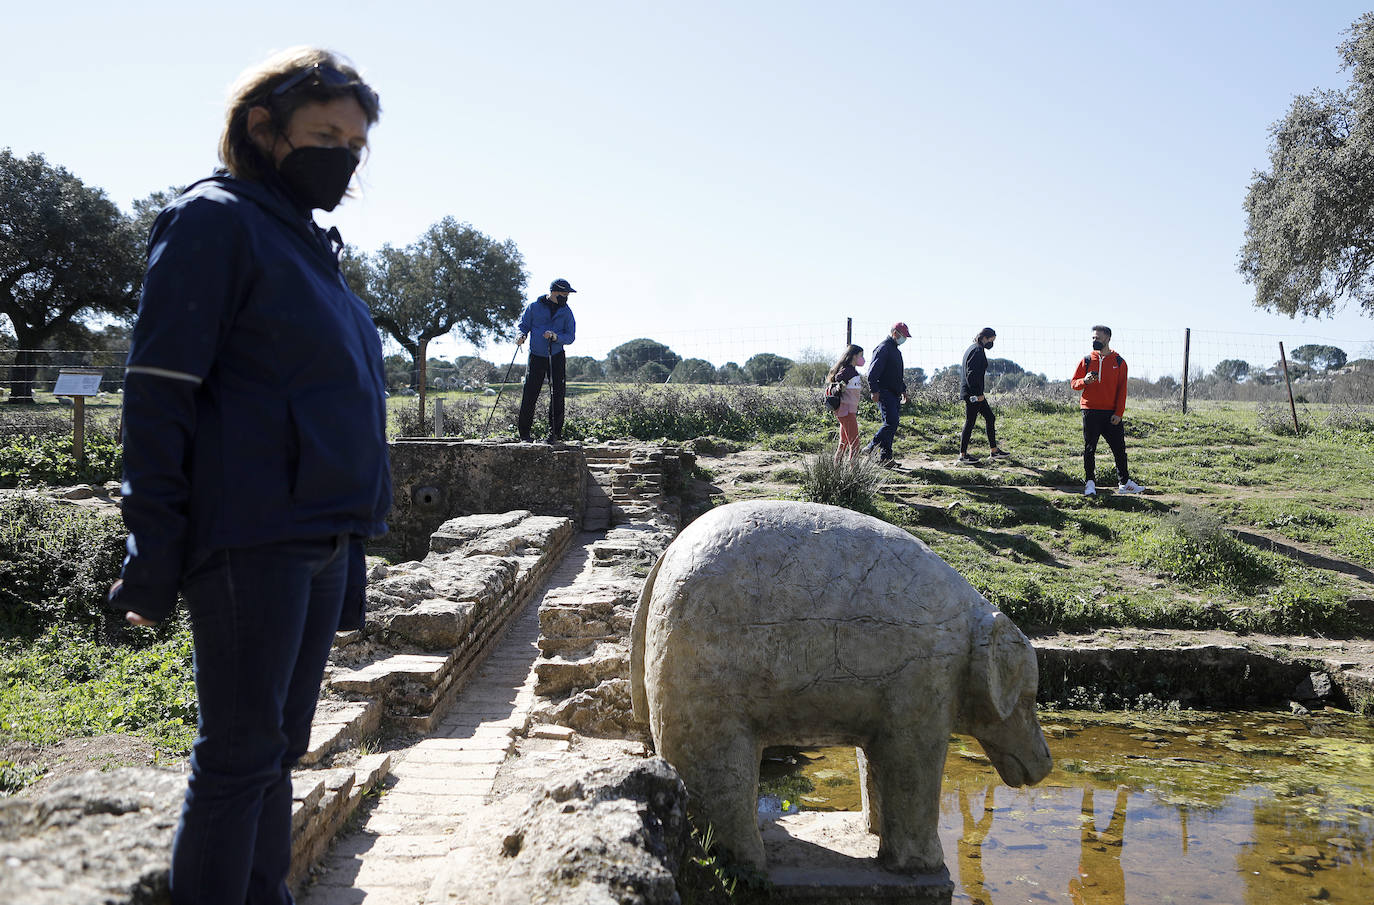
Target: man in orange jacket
[1101, 378]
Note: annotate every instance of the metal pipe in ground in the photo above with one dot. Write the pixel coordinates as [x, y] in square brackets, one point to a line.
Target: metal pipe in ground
[1291, 406]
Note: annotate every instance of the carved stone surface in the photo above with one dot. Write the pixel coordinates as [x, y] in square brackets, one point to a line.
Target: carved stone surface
[474, 565]
[614, 833]
[91, 839]
[602, 711]
[769, 623]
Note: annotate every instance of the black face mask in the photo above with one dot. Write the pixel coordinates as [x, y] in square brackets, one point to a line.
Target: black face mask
[318, 177]
[1097, 345]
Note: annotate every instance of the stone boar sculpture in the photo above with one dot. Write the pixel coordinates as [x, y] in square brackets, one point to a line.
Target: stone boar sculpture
[770, 623]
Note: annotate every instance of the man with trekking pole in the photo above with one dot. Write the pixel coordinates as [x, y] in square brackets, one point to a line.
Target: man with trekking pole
[549, 325]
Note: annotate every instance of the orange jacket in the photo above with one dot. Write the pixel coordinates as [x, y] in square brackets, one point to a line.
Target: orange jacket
[1108, 391]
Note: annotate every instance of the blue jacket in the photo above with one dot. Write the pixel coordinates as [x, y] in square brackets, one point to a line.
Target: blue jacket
[254, 403]
[886, 373]
[542, 314]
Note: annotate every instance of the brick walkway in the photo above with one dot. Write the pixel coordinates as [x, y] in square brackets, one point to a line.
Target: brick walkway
[395, 856]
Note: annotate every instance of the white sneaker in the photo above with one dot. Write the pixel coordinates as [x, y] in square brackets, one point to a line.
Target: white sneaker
[1129, 487]
[1090, 489]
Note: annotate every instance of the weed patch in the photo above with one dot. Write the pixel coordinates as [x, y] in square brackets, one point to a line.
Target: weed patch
[851, 482]
[63, 684]
[1191, 546]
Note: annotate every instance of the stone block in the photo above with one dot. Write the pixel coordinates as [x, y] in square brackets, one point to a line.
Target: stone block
[370, 770]
[434, 624]
[340, 723]
[559, 675]
[380, 676]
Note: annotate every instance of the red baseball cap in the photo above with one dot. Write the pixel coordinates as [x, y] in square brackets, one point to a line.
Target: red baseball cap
[901, 328]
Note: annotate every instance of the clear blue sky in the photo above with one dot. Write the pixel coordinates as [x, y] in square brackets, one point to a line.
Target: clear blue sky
[727, 177]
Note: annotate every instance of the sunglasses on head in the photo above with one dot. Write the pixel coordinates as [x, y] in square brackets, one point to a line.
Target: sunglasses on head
[328, 76]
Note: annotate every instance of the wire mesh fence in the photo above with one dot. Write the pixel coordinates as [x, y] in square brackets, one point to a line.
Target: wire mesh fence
[1220, 365]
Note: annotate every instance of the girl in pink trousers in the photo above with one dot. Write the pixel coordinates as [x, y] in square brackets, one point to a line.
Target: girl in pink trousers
[846, 372]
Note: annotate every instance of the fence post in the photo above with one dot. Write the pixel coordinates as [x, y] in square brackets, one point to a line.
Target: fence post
[79, 429]
[1283, 357]
[421, 377]
[1187, 341]
[438, 416]
[848, 332]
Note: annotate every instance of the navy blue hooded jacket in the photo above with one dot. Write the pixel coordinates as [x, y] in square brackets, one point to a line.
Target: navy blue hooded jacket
[254, 403]
[887, 372]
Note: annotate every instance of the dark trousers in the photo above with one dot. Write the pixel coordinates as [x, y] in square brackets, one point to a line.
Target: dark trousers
[262, 620]
[1098, 423]
[891, 406]
[971, 412]
[555, 368]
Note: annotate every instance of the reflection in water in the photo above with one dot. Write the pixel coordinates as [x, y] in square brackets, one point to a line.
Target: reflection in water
[1239, 809]
[971, 847]
[1100, 880]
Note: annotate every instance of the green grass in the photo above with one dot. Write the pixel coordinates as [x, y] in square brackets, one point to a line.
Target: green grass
[65, 684]
[1028, 540]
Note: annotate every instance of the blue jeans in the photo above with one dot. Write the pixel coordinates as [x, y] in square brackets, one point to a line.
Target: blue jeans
[891, 406]
[263, 620]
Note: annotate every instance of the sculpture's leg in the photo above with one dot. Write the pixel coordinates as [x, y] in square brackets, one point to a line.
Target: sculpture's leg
[720, 766]
[869, 802]
[907, 773]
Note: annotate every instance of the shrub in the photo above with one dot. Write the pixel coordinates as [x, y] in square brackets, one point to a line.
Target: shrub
[851, 482]
[1191, 546]
[685, 413]
[57, 562]
[34, 459]
[1274, 418]
[1345, 417]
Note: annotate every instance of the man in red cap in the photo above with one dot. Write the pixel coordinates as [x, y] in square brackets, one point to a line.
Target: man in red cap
[885, 379]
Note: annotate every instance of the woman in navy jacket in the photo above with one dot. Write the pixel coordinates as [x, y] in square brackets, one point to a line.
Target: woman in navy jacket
[255, 456]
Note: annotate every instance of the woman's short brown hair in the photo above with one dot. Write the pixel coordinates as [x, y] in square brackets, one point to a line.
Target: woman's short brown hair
[258, 87]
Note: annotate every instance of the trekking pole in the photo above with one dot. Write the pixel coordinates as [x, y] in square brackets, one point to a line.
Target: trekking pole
[504, 381]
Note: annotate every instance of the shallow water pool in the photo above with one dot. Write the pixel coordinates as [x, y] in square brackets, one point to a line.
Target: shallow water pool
[1147, 809]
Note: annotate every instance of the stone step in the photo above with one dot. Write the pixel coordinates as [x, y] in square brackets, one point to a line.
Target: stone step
[340, 724]
[380, 676]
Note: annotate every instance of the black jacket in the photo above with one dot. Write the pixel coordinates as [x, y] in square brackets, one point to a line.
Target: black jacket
[975, 367]
[254, 404]
[887, 373]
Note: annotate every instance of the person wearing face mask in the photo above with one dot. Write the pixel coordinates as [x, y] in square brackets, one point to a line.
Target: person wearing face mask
[1101, 379]
[846, 374]
[255, 456]
[550, 322]
[975, 397]
[887, 382]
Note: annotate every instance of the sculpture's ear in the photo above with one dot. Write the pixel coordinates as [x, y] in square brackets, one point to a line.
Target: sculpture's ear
[1001, 669]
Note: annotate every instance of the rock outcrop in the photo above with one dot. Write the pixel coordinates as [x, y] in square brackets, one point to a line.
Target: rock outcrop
[611, 834]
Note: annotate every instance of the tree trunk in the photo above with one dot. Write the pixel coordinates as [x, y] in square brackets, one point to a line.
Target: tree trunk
[24, 371]
[420, 353]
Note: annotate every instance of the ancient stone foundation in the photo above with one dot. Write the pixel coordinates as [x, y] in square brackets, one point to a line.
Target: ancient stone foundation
[597, 486]
[106, 837]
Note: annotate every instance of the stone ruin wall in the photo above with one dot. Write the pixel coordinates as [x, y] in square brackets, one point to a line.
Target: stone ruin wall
[430, 623]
